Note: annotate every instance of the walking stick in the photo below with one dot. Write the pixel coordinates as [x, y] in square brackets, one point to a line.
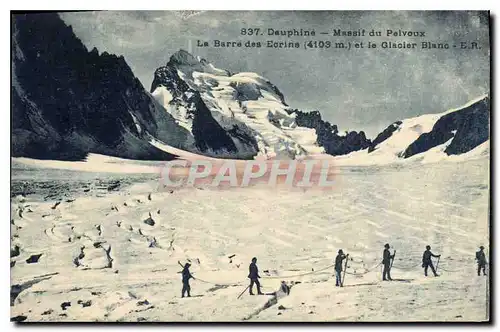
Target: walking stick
[345, 268]
[243, 292]
[437, 264]
[393, 259]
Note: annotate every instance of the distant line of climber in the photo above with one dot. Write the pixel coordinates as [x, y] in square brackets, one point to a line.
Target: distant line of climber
[387, 262]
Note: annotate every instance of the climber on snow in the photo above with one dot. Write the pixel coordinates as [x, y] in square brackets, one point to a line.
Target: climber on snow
[186, 275]
[254, 276]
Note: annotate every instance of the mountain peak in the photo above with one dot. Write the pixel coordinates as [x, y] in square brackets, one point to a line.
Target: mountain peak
[188, 63]
[183, 57]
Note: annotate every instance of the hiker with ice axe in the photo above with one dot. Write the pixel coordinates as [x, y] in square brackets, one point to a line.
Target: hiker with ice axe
[427, 260]
[186, 275]
[387, 260]
[254, 276]
[338, 268]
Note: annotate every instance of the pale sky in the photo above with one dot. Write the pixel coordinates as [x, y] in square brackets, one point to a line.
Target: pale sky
[361, 89]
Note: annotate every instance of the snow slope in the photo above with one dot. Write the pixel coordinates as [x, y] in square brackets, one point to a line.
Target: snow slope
[101, 261]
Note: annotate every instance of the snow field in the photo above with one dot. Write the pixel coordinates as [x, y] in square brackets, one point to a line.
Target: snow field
[129, 269]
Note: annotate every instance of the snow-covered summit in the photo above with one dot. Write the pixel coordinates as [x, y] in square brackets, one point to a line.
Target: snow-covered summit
[457, 131]
[245, 111]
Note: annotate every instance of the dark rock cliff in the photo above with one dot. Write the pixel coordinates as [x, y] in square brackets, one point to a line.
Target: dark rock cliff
[67, 102]
[385, 134]
[327, 133]
[469, 127]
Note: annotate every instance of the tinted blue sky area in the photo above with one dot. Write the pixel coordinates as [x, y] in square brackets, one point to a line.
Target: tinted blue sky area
[357, 89]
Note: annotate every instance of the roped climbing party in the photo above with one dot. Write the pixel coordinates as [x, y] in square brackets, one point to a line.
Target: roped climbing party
[340, 265]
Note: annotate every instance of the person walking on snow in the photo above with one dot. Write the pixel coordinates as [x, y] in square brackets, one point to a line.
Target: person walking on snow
[481, 261]
[254, 276]
[427, 260]
[338, 268]
[186, 275]
[387, 263]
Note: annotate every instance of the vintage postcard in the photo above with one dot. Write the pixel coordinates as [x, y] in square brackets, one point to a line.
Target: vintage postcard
[250, 166]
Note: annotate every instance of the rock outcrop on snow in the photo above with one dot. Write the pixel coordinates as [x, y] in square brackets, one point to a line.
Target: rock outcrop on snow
[327, 134]
[461, 131]
[466, 128]
[385, 134]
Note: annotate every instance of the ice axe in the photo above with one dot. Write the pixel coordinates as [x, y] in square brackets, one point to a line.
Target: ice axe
[243, 292]
[345, 268]
[392, 261]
